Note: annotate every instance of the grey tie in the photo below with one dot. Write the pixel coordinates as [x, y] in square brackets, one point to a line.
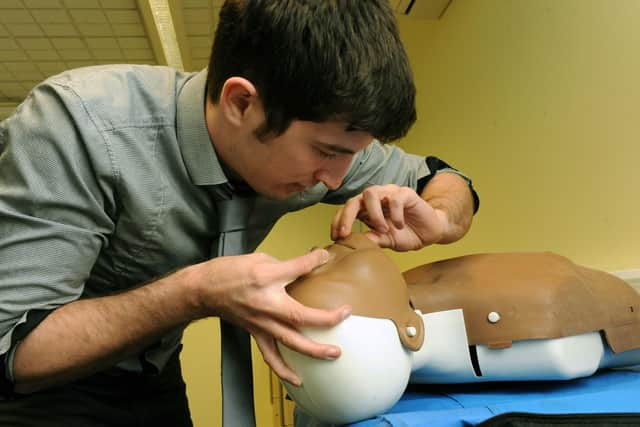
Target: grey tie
[237, 379]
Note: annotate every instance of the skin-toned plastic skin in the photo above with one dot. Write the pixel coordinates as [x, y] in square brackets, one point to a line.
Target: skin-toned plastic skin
[487, 317]
[537, 296]
[353, 275]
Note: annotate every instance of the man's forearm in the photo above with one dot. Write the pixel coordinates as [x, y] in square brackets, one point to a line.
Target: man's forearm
[86, 336]
[450, 194]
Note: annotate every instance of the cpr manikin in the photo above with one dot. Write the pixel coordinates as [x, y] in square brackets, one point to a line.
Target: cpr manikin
[486, 317]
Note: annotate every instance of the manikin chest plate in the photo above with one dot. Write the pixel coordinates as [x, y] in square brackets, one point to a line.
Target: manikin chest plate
[507, 297]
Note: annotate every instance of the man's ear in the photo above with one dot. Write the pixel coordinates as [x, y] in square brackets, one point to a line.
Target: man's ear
[236, 99]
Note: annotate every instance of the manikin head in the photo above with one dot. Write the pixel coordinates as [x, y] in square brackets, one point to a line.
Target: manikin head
[327, 75]
[377, 340]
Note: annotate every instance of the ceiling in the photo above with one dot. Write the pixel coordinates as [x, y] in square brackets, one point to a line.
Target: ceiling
[40, 38]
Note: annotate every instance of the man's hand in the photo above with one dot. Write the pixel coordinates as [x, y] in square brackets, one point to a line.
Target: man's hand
[397, 216]
[402, 220]
[249, 291]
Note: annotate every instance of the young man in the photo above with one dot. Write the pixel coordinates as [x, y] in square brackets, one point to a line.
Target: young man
[124, 191]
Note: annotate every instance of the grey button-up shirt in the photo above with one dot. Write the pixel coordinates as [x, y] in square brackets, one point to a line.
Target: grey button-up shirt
[106, 182]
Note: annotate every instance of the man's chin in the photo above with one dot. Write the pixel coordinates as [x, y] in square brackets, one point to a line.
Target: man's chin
[282, 193]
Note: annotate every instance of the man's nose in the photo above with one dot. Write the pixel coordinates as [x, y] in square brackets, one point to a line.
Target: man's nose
[333, 175]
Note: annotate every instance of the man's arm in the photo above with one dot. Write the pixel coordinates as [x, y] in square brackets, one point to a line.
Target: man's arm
[450, 195]
[89, 335]
[401, 219]
[380, 189]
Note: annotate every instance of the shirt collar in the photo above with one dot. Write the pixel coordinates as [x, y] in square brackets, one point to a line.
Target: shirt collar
[197, 150]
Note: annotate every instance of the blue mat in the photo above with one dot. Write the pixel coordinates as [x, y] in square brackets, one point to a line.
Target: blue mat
[463, 405]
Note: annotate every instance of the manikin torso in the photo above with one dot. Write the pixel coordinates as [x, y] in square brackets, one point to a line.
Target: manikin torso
[490, 317]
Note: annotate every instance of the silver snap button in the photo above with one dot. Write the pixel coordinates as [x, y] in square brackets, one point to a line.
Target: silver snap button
[411, 331]
[493, 317]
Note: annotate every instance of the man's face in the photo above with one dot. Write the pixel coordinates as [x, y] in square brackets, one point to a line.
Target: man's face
[305, 154]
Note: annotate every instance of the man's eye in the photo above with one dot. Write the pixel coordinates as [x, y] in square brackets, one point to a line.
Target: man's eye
[325, 154]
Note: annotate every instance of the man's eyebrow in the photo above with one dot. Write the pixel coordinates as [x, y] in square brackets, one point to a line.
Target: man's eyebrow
[336, 148]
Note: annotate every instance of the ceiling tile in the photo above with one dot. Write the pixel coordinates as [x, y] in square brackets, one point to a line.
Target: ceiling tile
[198, 15]
[134, 43]
[37, 43]
[194, 4]
[42, 4]
[109, 61]
[11, 4]
[82, 4]
[88, 16]
[197, 29]
[34, 75]
[200, 52]
[13, 90]
[13, 55]
[108, 54]
[43, 55]
[47, 16]
[200, 41]
[15, 16]
[4, 74]
[7, 44]
[59, 30]
[124, 30]
[27, 86]
[49, 68]
[118, 4]
[75, 54]
[27, 30]
[102, 42]
[68, 43]
[138, 54]
[95, 30]
[123, 16]
[19, 66]
[198, 64]
[79, 64]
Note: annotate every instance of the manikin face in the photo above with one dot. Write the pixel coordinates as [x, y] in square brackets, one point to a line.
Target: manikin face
[305, 154]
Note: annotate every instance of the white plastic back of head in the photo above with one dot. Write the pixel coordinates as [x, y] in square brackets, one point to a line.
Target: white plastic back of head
[367, 379]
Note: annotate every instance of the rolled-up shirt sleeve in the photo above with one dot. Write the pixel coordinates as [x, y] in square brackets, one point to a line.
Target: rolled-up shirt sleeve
[54, 210]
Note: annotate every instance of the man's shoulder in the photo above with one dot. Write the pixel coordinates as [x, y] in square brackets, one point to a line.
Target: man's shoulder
[96, 76]
[125, 90]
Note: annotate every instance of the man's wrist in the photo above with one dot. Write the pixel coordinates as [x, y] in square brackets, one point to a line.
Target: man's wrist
[190, 279]
[445, 225]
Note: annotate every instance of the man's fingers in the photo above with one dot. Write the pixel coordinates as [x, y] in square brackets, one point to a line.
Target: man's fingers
[296, 341]
[346, 217]
[335, 224]
[375, 215]
[300, 315]
[273, 358]
[384, 240]
[395, 207]
[289, 270]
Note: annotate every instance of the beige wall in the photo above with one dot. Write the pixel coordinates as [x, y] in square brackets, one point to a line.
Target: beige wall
[539, 101]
